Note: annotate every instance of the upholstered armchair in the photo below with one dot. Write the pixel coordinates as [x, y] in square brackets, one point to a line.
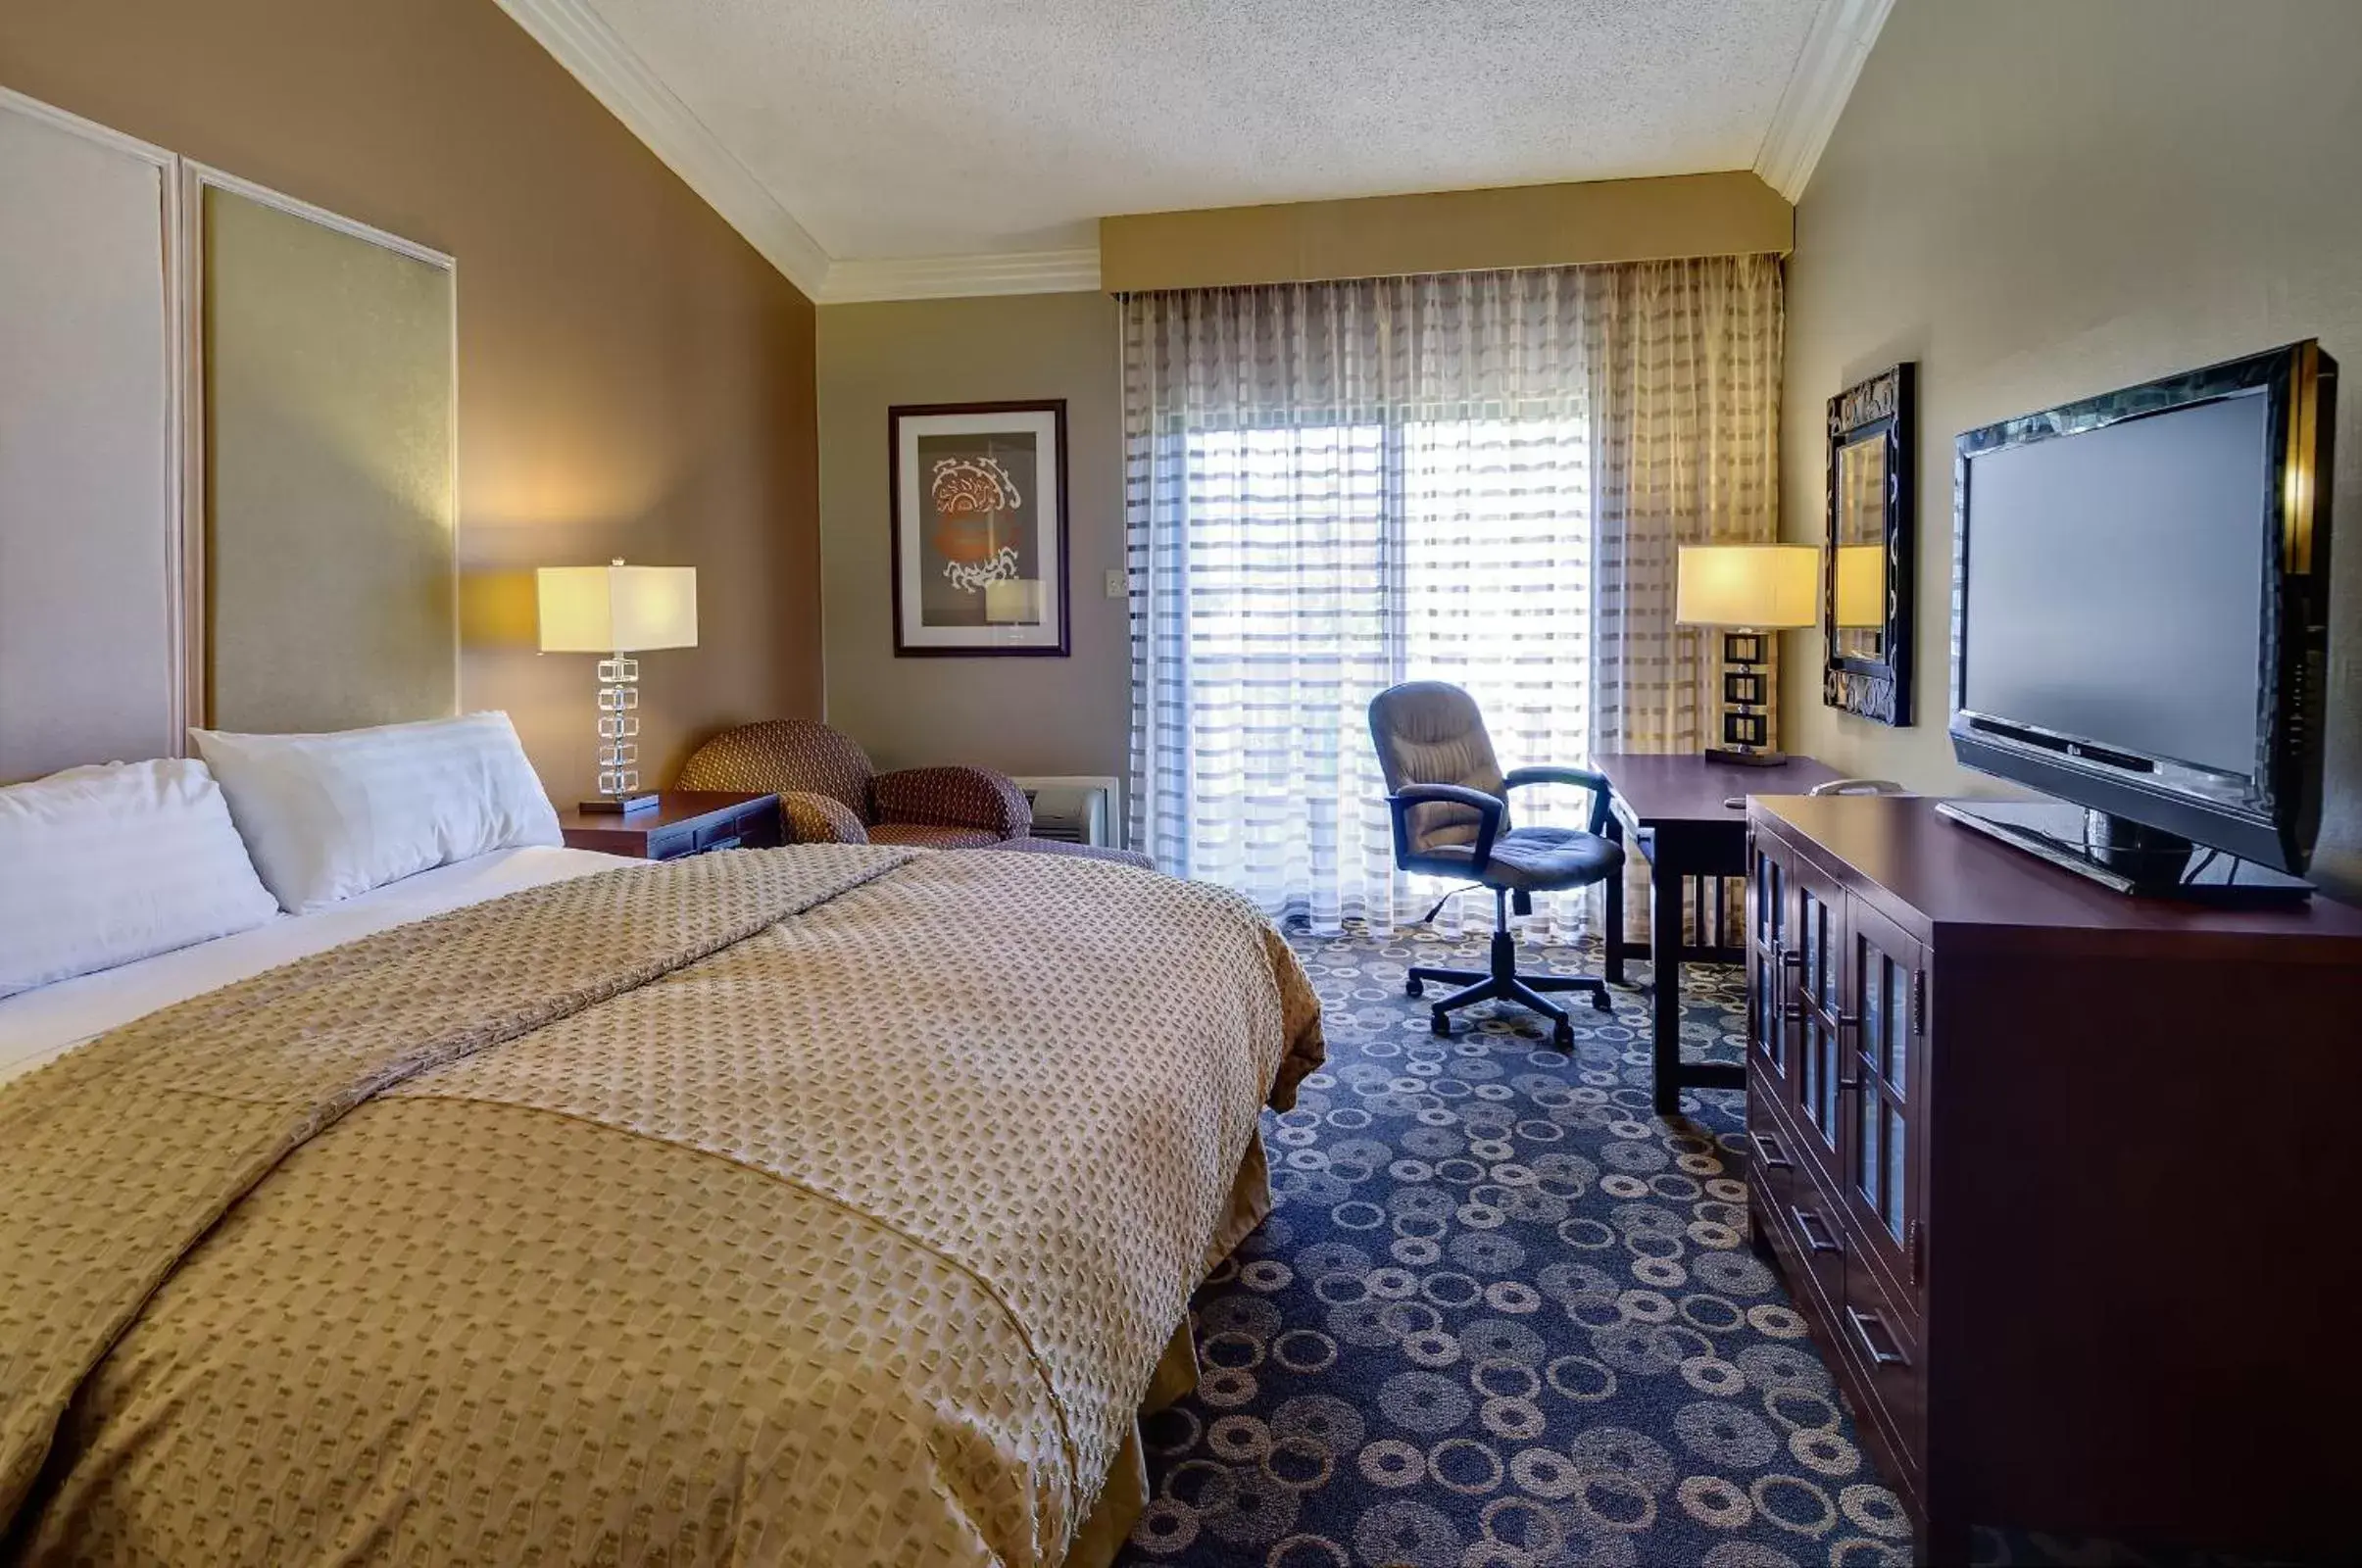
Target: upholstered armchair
[829, 792]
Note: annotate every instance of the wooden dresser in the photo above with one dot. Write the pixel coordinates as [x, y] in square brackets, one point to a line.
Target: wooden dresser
[2060, 1179]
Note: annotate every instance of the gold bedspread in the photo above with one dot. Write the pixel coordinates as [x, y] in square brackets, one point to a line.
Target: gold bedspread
[830, 1205]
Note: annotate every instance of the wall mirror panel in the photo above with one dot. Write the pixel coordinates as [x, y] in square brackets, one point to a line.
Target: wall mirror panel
[1866, 564]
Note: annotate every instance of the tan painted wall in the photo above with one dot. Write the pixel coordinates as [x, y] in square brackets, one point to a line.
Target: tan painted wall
[1022, 715]
[2038, 202]
[1729, 214]
[634, 378]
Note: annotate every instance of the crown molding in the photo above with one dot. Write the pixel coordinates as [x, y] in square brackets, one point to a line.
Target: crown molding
[1839, 40]
[937, 277]
[582, 42]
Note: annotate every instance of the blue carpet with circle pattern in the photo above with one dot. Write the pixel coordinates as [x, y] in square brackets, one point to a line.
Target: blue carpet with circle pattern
[1502, 1316]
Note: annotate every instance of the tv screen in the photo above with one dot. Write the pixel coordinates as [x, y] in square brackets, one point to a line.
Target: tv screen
[2116, 581]
[2141, 628]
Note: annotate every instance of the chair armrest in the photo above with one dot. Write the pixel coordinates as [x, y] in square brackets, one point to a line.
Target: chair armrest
[1583, 777]
[1491, 808]
[954, 796]
[811, 819]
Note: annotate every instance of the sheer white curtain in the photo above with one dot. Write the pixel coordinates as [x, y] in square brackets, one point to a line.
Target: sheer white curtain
[1333, 487]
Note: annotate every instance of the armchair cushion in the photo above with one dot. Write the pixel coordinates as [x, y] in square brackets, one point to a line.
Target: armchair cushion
[954, 796]
[934, 836]
[820, 819]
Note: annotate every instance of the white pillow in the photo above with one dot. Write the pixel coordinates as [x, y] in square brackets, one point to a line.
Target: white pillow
[108, 864]
[327, 817]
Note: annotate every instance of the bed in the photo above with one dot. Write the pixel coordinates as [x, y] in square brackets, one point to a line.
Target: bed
[828, 1204]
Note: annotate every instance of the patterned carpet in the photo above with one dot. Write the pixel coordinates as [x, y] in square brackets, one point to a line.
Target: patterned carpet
[1503, 1317]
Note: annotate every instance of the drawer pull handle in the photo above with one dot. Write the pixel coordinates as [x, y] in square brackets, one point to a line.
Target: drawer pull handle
[1861, 1322]
[1807, 1222]
[1767, 1150]
[729, 843]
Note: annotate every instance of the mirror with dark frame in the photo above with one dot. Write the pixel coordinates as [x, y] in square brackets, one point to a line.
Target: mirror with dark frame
[1866, 569]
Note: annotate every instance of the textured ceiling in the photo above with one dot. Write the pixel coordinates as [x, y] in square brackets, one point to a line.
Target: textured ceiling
[926, 127]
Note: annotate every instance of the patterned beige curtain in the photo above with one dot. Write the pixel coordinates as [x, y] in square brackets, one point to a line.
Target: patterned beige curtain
[1478, 477]
[1683, 364]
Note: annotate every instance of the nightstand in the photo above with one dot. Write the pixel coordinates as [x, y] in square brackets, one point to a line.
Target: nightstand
[681, 822]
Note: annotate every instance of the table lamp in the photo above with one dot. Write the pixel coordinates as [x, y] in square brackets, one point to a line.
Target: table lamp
[1748, 591]
[616, 611]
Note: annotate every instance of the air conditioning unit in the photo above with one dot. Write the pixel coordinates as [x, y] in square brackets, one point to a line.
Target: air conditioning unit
[1075, 809]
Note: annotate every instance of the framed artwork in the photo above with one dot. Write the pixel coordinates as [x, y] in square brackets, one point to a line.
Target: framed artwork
[979, 528]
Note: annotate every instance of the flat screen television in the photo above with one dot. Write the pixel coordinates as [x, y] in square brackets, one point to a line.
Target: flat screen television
[2141, 625]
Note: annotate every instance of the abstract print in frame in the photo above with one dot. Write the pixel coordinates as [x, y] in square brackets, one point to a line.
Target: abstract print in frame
[979, 514]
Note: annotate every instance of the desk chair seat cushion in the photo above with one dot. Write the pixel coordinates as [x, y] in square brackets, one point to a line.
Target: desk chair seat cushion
[1534, 859]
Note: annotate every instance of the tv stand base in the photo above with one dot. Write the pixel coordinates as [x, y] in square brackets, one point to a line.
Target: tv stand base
[2137, 862]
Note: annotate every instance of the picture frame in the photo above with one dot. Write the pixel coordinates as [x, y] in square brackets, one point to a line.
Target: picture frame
[1868, 567]
[979, 529]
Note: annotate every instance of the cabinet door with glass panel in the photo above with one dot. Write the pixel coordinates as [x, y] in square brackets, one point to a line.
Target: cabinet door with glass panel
[1770, 960]
[1883, 1040]
[1816, 1079]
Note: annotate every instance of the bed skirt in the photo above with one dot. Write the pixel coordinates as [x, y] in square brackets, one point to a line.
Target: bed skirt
[1126, 1492]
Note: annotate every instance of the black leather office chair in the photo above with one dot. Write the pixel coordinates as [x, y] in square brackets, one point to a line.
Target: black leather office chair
[1449, 800]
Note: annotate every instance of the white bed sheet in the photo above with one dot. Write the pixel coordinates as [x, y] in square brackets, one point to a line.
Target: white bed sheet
[38, 1026]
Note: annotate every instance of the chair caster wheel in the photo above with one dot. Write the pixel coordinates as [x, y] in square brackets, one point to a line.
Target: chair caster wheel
[1414, 987]
[1563, 1036]
[1602, 1002]
[1440, 1021]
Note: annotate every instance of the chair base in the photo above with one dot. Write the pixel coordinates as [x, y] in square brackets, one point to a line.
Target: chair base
[1505, 984]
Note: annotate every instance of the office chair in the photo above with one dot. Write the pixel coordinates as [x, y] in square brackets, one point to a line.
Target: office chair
[1449, 804]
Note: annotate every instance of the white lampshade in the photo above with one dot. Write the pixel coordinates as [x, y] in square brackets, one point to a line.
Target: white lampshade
[616, 609]
[1861, 586]
[1756, 587]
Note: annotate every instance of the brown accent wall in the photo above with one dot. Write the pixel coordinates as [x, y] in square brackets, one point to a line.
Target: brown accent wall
[1022, 715]
[634, 379]
[2038, 202]
[1727, 214]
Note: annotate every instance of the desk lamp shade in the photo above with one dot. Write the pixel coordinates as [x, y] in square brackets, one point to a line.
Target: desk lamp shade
[1747, 589]
[616, 611]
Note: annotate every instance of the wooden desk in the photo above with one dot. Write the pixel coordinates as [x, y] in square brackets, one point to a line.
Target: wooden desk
[1671, 809]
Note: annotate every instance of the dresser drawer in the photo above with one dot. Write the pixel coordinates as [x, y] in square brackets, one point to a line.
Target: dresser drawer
[1882, 1339]
[1817, 1221]
[1771, 1159]
[1792, 1209]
